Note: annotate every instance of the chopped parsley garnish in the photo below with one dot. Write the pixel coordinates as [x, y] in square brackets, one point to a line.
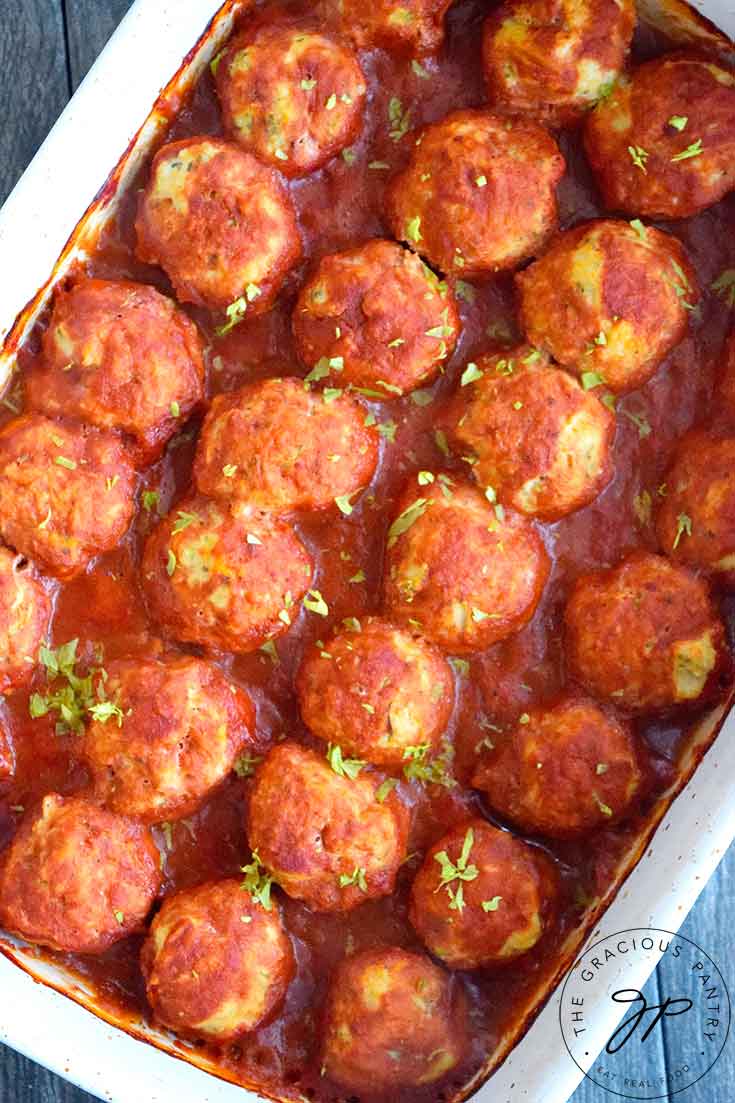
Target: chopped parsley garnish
[694, 150]
[592, 379]
[491, 905]
[640, 421]
[435, 771]
[405, 520]
[400, 120]
[679, 122]
[257, 882]
[349, 156]
[246, 764]
[683, 528]
[471, 374]
[175, 409]
[343, 767]
[359, 577]
[724, 286]
[307, 84]
[331, 102]
[425, 478]
[385, 789]
[639, 228]
[379, 166]
[229, 470]
[71, 696]
[638, 156]
[343, 504]
[465, 292]
[601, 768]
[151, 498]
[63, 461]
[460, 871]
[419, 70]
[356, 878]
[183, 520]
[413, 229]
[315, 603]
[170, 563]
[604, 808]
[235, 313]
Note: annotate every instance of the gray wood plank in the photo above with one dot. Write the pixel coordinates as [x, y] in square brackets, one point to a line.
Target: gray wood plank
[89, 24]
[23, 1082]
[34, 84]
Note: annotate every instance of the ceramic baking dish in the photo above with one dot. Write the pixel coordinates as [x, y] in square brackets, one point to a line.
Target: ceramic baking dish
[44, 229]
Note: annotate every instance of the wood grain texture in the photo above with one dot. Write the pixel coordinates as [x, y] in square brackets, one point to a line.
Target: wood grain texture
[89, 24]
[23, 1082]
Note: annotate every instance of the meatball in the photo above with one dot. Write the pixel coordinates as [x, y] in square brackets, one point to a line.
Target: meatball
[292, 97]
[278, 446]
[121, 356]
[404, 26]
[25, 614]
[696, 518]
[609, 298]
[644, 634]
[78, 878]
[220, 224]
[563, 770]
[554, 61]
[662, 144]
[216, 963]
[482, 897]
[375, 317]
[323, 834]
[66, 492]
[533, 434]
[376, 690]
[393, 1020]
[478, 195]
[177, 729]
[224, 576]
[7, 755]
[463, 574]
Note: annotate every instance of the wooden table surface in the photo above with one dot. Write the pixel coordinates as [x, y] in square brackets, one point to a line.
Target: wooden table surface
[46, 48]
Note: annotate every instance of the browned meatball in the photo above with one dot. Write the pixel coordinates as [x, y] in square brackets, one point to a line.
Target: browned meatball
[482, 897]
[291, 96]
[375, 317]
[7, 755]
[533, 434]
[220, 224]
[25, 614]
[696, 517]
[177, 730]
[322, 834]
[393, 1020]
[609, 298]
[478, 194]
[66, 492]
[554, 59]
[277, 445]
[215, 962]
[457, 570]
[225, 576]
[121, 356]
[644, 634]
[77, 878]
[376, 690]
[562, 770]
[662, 144]
[405, 26]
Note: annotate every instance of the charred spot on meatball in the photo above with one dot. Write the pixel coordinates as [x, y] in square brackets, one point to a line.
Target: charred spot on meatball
[460, 571]
[644, 635]
[610, 300]
[554, 62]
[482, 897]
[77, 878]
[562, 770]
[375, 318]
[220, 224]
[319, 829]
[533, 436]
[216, 963]
[25, 615]
[662, 144]
[280, 446]
[177, 729]
[478, 195]
[122, 356]
[291, 96]
[402, 26]
[226, 576]
[66, 492]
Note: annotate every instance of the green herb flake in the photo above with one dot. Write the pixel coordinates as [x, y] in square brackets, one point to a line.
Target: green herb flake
[385, 789]
[491, 905]
[693, 150]
[425, 478]
[679, 122]
[406, 519]
[419, 70]
[592, 379]
[229, 470]
[175, 409]
[429, 771]
[343, 767]
[63, 461]
[465, 291]
[183, 520]
[601, 768]
[307, 84]
[471, 374]
[170, 563]
[349, 156]
[315, 603]
[400, 120]
[413, 229]
[724, 286]
[257, 882]
[639, 156]
[246, 765]
[356, 878]
[639, 228]
[151, 498]
[683, 528]
[235, 313]
[343, 504]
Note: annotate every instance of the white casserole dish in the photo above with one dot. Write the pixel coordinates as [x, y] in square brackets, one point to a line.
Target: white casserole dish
[35, 224]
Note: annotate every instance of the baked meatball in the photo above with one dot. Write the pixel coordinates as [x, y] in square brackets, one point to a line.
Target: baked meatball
[77, 878]
[323, 835]
[292, 97]
[25, 614]
[482, 897]
[478, 194]
[554, 60]
[393, 1020]
[662, 144]
[66, 492]
[225, 576]
[644, 634]
[220, 224]
[7, 754]
[215, 962]
[533, 434]
[177, 730]
[404, 26]
[376, 691]
[463, 574]
[121, 356]
[696, 517]
[610, 298]
[375, 317]
[278, 446]
[563, 770]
